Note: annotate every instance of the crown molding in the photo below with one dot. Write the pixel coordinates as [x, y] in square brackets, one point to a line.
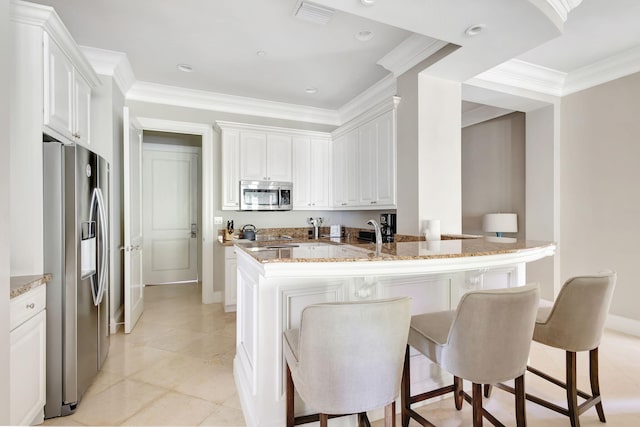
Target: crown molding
[111, 63]
[413, 50]
[220, 125]
[379, 92]
[46, 17]
[525, 75]
[191, 98]
[391, 103]
[563, 7]
[611, 68]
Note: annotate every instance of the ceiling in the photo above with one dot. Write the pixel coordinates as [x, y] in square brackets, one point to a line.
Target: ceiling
[221, 39]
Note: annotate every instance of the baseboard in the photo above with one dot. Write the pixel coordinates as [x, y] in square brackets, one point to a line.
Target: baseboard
[217, 296]
[623, 324]
[118, 321]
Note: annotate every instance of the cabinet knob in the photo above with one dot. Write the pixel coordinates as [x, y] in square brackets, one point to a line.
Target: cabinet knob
[32, 305]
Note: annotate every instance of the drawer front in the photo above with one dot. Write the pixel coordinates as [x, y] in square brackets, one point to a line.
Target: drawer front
[27, 305]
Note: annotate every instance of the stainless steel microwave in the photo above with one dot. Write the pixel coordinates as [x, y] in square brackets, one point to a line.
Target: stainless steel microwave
[265, 196]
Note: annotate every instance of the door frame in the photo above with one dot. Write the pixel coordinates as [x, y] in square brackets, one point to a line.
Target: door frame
[207, 187]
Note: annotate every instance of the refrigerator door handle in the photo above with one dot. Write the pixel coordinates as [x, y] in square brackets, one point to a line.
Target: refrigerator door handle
[97, 201]
[102, 278]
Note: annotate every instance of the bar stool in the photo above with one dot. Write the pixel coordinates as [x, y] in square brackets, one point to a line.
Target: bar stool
[488, 337]
[574, 323]
[346, 358]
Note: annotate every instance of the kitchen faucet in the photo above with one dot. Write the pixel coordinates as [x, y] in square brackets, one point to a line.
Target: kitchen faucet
[376, 226]
[316, 222]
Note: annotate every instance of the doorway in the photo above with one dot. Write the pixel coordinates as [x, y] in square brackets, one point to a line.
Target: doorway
[172, 206]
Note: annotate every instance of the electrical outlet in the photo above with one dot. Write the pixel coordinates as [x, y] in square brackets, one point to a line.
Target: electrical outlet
[217, 220]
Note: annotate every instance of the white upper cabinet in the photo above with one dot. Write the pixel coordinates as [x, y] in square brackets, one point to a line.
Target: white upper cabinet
[311, 173]
[230, 169]
[67, 96]
[364, 161]
[265, 157]
[265, 153]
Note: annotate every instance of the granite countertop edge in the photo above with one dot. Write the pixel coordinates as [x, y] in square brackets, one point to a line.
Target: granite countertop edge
[22, 284]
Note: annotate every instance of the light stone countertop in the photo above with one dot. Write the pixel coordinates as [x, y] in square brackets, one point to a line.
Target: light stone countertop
[22, 284]
[325, 250]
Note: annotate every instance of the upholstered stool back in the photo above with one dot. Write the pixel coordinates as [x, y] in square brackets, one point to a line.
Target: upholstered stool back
[349, 356]
[577, 318]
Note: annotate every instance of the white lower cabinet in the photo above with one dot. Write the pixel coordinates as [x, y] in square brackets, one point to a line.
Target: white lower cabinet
[28, 358]
[230, 278]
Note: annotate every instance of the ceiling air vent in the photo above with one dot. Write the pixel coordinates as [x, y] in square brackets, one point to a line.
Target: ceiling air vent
[313, 12]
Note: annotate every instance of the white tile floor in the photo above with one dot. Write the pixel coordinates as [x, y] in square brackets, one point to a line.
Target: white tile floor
[176, 369]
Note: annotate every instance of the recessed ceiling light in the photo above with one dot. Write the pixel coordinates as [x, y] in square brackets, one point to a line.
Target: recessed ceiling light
[261, 53]
[368, 2]
[474, 30]
[185, 68]
[364, 35]
[311, 90]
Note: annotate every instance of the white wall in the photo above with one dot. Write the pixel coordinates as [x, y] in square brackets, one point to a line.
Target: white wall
[5, 78]
[599, 176]
[493, 172]
[541, 195]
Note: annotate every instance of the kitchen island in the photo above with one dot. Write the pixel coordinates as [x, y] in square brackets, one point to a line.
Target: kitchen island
[276, 280]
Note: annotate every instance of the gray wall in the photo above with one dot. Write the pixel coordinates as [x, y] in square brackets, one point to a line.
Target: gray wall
[599, 176]
[493, 171]
[4, 215]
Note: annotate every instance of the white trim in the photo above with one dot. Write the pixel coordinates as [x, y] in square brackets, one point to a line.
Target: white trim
[117, 320]
[46, 17]
[191, 98]
[217, 297]
[111, 63]
[482, 114]
[611, 68]
[172, 148]
[623, 324]
[373, 112]
[563, 7]
[219, 125]
[378, 92]
[208, 233]
[525, 75]
[412, 51]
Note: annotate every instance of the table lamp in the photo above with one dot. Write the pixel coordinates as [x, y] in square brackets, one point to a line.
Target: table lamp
[500, 223]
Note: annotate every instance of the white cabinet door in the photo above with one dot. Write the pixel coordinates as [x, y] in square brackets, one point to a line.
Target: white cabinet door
[27, 373]
[352, 166]
[230, 169]
[230, 278]
[339, 195]
[82, 110]
[301, 178]
[253, 155]
[386, 162]
[368, 144]
[311, 173]
[278, 157]
[58, 90]
[320, 173]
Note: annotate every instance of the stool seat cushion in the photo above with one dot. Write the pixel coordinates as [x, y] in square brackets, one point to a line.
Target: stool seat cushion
[429, 332]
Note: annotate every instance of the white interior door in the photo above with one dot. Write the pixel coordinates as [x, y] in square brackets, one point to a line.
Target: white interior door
[133, 279]
[170, 209]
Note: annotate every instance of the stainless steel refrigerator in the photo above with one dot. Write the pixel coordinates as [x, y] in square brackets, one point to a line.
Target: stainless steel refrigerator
[76, 245]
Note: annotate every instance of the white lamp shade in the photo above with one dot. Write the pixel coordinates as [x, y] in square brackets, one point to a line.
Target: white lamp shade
[500, 223]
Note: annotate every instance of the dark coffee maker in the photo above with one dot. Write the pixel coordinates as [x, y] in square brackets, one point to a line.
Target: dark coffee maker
[388, 226]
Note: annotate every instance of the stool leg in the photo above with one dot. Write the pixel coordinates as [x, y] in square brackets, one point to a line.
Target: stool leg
[572, 393]
[488, 388]
[458, 392]
[595, 384]
[324, 420]
[477, 404]
[521, 416]
[363, 420]
[390, 415]
[290, 399]
[405, 389]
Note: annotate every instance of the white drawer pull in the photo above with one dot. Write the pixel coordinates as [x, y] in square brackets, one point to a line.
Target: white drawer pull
[32, 305]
